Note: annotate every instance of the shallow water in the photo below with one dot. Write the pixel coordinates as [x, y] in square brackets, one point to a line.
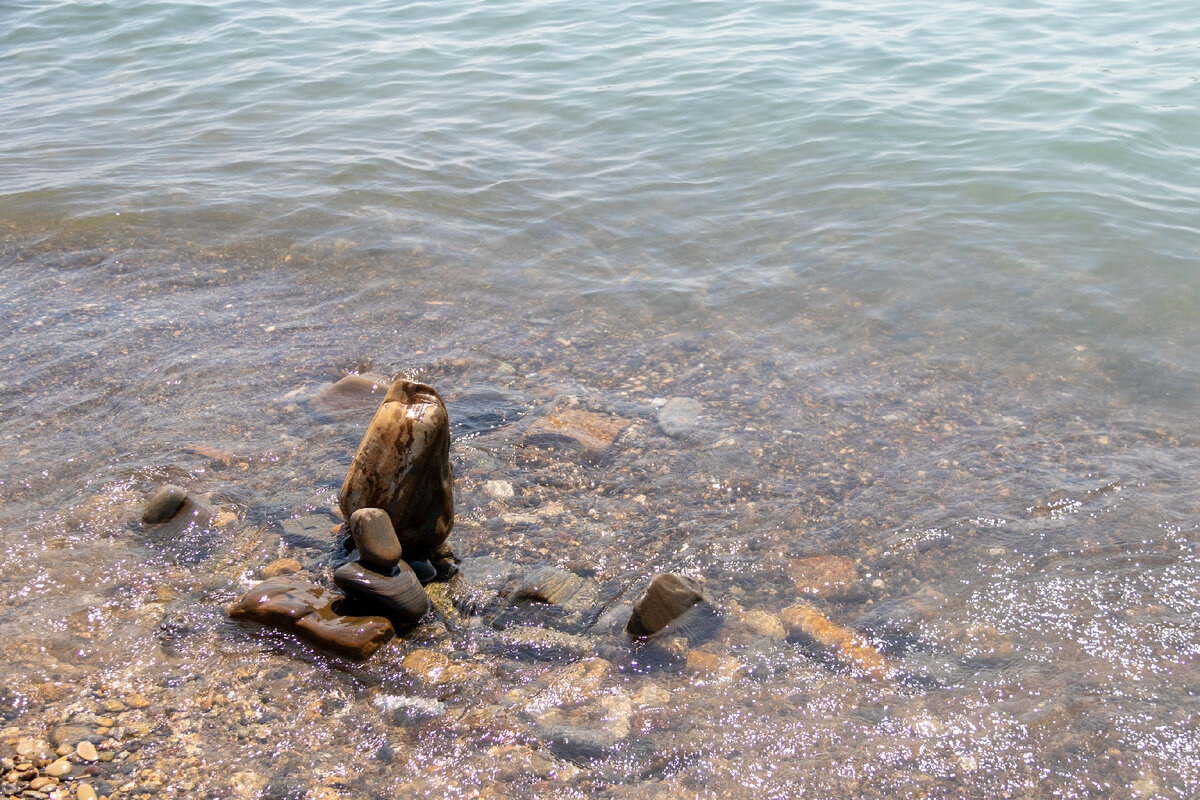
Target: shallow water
[929, 271]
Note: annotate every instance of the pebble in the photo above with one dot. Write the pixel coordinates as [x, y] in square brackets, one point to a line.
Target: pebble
[87, 751]
[39, 783]
[58, 768]
[85, 792]
[499, 490]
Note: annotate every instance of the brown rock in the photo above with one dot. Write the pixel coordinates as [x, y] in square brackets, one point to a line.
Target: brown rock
[583, 433]
[847, 645]
[403, 467]
[397, 594]
[356, 637]
[282, 566]
[375, 538]
[827, 577]
[666, 598]
[282, 602]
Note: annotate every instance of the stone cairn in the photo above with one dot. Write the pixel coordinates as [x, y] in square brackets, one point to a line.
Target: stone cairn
[398, 501]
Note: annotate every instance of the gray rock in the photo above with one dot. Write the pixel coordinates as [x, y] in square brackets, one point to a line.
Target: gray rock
[667, 597]
[680, 418]
[375, 538]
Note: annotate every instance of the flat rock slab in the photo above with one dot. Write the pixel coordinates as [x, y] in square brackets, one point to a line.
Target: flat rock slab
[295, 605]
[827, 577]
[585, 434]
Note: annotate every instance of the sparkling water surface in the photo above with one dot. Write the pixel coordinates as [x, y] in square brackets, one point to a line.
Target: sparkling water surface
[929, 269]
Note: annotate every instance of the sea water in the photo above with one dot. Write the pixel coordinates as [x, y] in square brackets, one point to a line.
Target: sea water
[928, 269]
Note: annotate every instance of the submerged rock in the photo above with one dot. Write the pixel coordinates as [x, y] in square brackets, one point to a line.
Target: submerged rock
[548, 585]
[351, 393]
[403, 467]
[667, 597]
[827, 577]
[165, 502]
[397, 594]
[582, 433]
[846, 645]
[375, 538]
[679, 418]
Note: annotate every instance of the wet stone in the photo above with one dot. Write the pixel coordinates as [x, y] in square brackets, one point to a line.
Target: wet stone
[827, 577]
[352, 394]
[548, 585]
[282, 602]
[402, 465]
[397, 595]
[585, 434]
[164, 503]
[375, 538]
[679, 418]
[424, 570]
[356, 637]
[282, 566]
[87, 751]
[667, 597]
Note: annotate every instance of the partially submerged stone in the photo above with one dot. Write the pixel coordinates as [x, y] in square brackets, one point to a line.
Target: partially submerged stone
[403, 467]
[375, 538]
[292, 604]
[352, 392]
[846, 645]
[548, 585]
[397, 594]
[827, 577]
[582, 433]
[667, 597]
[164, 503]
[357, 637]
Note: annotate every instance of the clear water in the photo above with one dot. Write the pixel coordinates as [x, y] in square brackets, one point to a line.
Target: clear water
[930, 268]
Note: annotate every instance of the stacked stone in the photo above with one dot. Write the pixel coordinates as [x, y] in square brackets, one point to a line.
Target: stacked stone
[379, 576]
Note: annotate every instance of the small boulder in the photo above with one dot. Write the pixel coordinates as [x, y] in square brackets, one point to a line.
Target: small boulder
[667, 597]
[375, 538]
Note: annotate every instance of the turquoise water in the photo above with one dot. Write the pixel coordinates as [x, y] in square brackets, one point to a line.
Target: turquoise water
[929, 268]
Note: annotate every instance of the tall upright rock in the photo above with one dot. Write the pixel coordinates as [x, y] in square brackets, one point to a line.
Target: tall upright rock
[403, 466]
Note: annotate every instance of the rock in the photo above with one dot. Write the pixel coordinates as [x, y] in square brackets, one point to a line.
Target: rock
[57, 769]
[164, 503]
[424, 570]
[310, 530]
[585, 434]
[711, 665]
[827, 577]
[498, 490]
[434, 668]
[548, 585]
[378, 547]
[282, 602]
[356, 637]
[680, 418]
[764, 623]
[351, 400]
[667, 597]
[282, 566]
[845, 644]
[295, 605]
[403, 466]
[85, 792]
[398, 594]
[87, 751]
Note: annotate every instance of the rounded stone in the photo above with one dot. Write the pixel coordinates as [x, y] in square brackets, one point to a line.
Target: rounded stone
[282, 566]
[397, 594]
[164, 503]
[666, 598]
[85, 792]
[87, 751]
[375, 538]
[58, 768]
